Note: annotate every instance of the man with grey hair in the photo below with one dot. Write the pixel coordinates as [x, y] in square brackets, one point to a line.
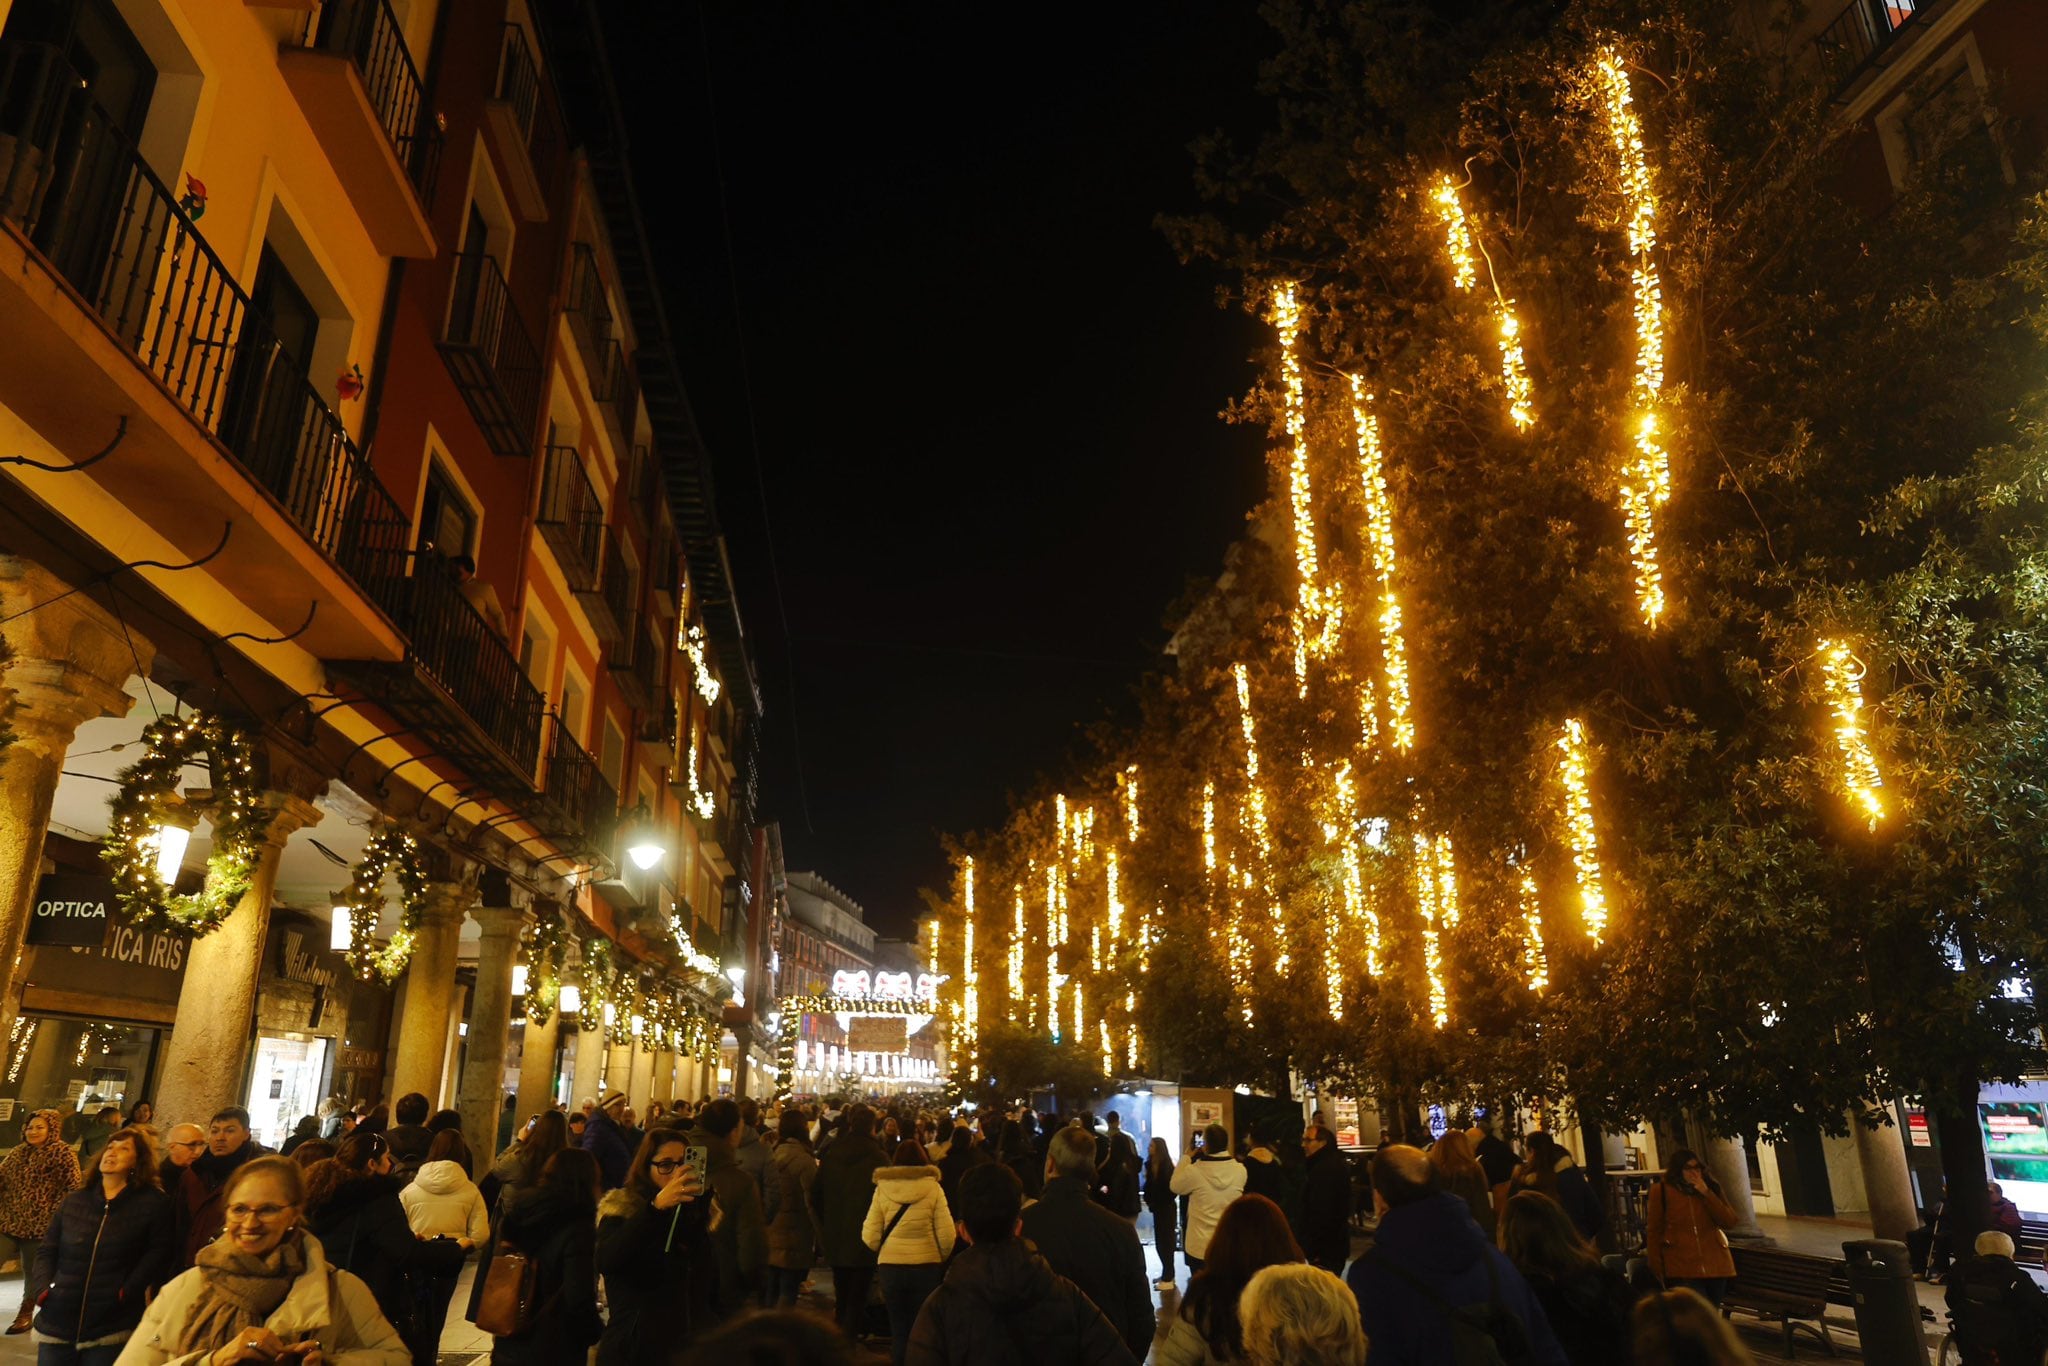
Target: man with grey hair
[2000, 1314]
[1089, 1245]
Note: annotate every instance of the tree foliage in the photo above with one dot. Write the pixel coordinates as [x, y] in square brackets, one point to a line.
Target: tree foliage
[1854, 407]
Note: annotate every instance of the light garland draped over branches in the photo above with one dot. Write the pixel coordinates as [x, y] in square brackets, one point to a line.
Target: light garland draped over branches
[1514, 369]
[1379, 526]
[1256, 821]
[1535, 961]
[1319, 607]
[1573, 772]
[1842, 675]
[1646, 476]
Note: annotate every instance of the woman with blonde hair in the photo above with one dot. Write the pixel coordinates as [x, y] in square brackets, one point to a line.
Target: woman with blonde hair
[1679, 1328]
[1458, 1172]
[1297, 1315]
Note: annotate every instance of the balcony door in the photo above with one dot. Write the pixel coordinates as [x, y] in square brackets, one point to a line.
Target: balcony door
[469, 271]
[269, 389]
[69, 157]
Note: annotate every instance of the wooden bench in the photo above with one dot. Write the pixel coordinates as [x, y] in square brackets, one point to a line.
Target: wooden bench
[1788, 1287]
[2033, 1242]
[1840, 1293]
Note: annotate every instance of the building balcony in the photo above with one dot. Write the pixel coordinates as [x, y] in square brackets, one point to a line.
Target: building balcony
[359, 90]
[572, 519]
[635, 667]
[517, 120]
[115, 304]
[459, 687]
[659, 727]
[577, 805]
[492, 356]
[1866, 37]
[608, 602]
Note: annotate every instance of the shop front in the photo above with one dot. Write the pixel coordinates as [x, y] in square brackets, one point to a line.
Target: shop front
[97, 1002]
[304, 1003]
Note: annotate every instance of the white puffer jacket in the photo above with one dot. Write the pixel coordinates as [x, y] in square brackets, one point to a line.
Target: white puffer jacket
[442, 1202]
[925, 1233]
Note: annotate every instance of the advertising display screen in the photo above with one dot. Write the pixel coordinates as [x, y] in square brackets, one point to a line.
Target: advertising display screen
[2016, 1141]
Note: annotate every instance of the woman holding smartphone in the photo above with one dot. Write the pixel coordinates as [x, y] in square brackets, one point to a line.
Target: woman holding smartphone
[654, 1252]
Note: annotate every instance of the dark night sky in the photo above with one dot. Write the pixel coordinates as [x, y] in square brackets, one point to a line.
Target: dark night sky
[985, 390]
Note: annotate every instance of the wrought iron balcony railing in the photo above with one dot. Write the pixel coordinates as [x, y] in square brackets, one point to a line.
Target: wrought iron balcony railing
[571, 518]
[80, 193]
[581, 799]
[492, 356]
[368, 34]
[1860, 32]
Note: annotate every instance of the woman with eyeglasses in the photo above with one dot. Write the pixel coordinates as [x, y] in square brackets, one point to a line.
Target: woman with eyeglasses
[654, 1252]
[1686, 1215]
[35, 1177]
[111, 1243]
[550, 1223]
[263, 1291]
[352, 1207]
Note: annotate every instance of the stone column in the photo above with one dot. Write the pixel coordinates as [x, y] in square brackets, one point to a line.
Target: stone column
[618, 1070]
[70, 663]
[1729, 1165]
[537, 1064]
[209, 1046]
[1886, 1182]
[430, 987]
[482, 1095]
[589, 1060]
[661, 1085]
[640, 1082]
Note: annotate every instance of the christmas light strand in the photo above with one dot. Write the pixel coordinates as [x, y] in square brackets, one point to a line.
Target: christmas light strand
[1255, 811]
[1842, 673]
[1127, 784]
[1015, 963]
[1426, 891]
[1357, 899]
[1379, 521]
[1646, 478]
[1514, 369]
[1572, 770]
[971, 995]
[1535, 962]
[1319, 608]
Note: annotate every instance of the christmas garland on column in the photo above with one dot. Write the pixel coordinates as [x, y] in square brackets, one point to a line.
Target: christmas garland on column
[145, 798]
[392, 852]
[544, 944]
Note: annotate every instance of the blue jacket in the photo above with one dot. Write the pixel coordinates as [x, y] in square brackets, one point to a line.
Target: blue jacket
[1436, 1241]
[604, 1140]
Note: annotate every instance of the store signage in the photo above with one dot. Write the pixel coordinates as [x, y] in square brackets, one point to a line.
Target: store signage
[877, 1034]
[297, 962]
[1916, 1129]
[359, 1059]
[72, 909]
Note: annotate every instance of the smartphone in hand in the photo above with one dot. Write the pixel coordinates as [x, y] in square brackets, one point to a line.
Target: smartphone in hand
[697, 1158]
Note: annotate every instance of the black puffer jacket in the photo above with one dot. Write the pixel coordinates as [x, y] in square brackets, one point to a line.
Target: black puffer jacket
[660, 1274]
[1000, 1305]
[100, 1259]
[361, 1224]
[548, 1225]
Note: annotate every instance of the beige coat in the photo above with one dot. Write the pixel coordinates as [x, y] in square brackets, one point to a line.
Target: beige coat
[925, 1234]
[324, 1305]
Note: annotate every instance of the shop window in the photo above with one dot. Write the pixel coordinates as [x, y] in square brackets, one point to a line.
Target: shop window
[75, 1067]
[286, 1083]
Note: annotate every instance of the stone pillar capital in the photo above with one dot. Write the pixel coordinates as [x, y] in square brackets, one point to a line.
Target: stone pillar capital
[500, 922]
[53, 697]
[445, 903]
[71, 656]
[289, 814]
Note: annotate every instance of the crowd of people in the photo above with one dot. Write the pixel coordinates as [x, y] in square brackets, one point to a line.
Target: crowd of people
[692, 1234]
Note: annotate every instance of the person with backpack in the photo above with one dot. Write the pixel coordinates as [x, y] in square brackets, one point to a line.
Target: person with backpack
[910, 1227]
[1432, 1291]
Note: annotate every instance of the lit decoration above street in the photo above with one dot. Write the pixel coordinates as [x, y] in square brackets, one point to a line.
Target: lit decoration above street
[1842, 672]
[1535, 962]
[1255, 810]
[708, 686]
[1646, 478]
[970, 980]
[1426, 894]
[1127, 784]
[1447, 881]
[1319, 607]
[1379, 518]
[1209, 827]
[1514, 370]
[1015, 962]
[1357, 900]
[1116, 905]
[1573, 773]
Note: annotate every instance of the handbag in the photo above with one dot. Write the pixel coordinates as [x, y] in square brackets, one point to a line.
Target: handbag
[505, 1308]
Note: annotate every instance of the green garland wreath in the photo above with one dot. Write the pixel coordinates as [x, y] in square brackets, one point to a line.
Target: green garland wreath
[389, 852]
[544, 944]
[147, 792]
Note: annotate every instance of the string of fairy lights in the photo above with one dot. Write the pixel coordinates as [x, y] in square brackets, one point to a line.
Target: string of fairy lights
[1088, 871]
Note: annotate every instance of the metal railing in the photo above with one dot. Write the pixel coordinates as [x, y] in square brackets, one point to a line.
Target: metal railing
[474, 665]
[499, 367]
[577, 788]
[590, 314]
[571, 517]
[1860, 31]
[518, 79]
[368, 34]
[617, 589]
[86, 201]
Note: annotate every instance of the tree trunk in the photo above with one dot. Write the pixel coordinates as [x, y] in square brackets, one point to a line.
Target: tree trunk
[1594, 1143]
[1962, 1167]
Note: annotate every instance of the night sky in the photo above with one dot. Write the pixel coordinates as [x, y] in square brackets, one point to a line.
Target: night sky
[984, 393]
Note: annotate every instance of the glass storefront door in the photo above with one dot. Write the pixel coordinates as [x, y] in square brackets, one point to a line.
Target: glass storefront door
[286, 1083]
[75, 1067]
